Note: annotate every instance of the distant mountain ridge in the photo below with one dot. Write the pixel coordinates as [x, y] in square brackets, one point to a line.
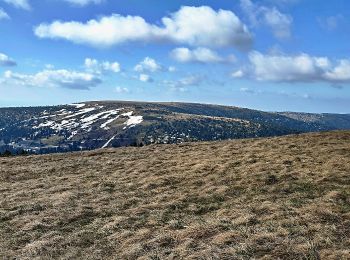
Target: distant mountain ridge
[102, 124]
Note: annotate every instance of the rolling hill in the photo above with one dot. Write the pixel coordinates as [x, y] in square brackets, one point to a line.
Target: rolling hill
[266, 198]
[93, 125]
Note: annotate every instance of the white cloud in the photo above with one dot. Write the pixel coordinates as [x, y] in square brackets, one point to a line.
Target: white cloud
[237, 74]
[121, 90]
[249, 90]
[3, 15]
[204, 26]
[298, 68]
[171, 69]
[49, 66]
[104, 32]
[284, 68]
[145, 78]
[191, 81]
[183, 83]
[23, 4]
[94, 66]
[341, 72]
[331, 23]
[186, 26]
[279, 23]
[84, 2]
[148, 64]
[54, 78]
[6, 60]
[201, 55]
[279, 93]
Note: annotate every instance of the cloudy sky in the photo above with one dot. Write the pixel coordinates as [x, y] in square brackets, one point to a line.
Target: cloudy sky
[274, 55]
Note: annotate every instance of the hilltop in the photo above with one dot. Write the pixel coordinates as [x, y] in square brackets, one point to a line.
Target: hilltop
[272, 198]
[93, 125]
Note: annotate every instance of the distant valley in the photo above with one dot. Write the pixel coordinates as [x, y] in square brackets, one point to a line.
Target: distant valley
[92, 125]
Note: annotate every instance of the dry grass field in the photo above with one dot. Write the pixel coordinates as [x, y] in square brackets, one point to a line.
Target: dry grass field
[274, 198]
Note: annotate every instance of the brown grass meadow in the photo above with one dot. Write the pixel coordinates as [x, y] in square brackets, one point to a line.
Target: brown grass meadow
[273, 198]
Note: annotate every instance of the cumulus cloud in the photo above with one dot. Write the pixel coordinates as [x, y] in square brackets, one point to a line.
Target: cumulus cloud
[83, 2]
[23, 4]
[6, 61]
[145, 78]
[54, 78]
[237, 74]
[3, 15]
[183, 83]
[171, 69]
[193, 80]
[298, 68]
[279, 23]
[148, 64]
[201, 55]
[94, 66]
[222, 29]
[121, 90]
[251, 91]
[341, 72]
[284, 68]
[49, 66]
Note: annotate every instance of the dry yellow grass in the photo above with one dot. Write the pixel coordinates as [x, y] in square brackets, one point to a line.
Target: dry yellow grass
[275, 198]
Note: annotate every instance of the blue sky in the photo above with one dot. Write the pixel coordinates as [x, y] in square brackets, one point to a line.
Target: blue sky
[274, 55]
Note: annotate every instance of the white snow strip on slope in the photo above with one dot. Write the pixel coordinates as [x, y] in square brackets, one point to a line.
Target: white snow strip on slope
[113, 113]
[134, 120]
[91, 119]
[104, 125]
[128, 113]
[78, 120]
[46, 124]
[81, 112]
[72, 135]
[45, 117]
[64, 113]
[109, 141]
[77, 105]
[66, 124]
[96, 116]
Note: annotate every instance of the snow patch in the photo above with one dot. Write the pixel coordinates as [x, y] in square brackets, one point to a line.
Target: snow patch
[72, 135]
[81, 112]
[104, 125]
[128, 113]
[46, 124]
[133, 121]
[77, 105]
[109, 141]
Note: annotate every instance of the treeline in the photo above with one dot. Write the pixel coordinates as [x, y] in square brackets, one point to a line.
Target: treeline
[8, 153]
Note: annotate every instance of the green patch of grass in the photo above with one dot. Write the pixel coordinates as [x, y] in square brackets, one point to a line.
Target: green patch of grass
[306, 189]
[343, 201]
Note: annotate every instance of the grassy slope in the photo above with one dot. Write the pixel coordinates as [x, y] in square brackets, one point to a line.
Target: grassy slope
[285, 197]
